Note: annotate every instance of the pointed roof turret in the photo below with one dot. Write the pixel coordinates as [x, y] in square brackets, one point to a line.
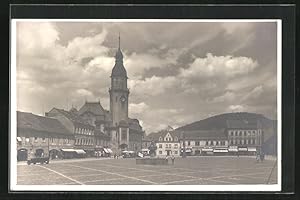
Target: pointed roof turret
[119, 69]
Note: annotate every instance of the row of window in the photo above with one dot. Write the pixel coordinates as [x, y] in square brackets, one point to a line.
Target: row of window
[84, 131]
[168, 146]
[168, 139]
[26, 140]
[247, 141]
[207, 143]
[174, 152]
[242, 133]
[84, 141]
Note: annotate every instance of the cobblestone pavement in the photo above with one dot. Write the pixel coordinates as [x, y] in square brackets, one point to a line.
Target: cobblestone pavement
[185, 171]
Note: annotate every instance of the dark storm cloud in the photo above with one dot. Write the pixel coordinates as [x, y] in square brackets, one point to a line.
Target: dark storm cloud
[182, 72]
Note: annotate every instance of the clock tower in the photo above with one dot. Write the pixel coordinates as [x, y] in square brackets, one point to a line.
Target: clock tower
[119, 92]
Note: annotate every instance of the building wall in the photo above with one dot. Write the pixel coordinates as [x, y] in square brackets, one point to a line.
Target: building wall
[164, 147]
[239, 137]
[32, 140]
[118, 109]
[84, 138]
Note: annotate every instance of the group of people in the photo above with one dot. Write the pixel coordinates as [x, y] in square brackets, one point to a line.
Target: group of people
[172, 158]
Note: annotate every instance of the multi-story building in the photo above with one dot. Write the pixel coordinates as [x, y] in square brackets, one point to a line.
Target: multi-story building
[82, 131]
[96, 127]
[244, 136]
[39, 136]
[202, 142]
[167, 143]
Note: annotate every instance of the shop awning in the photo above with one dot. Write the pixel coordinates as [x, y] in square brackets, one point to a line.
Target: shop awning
[105, 150]
[68, 150]
[207, 149]
[19, 139]
[187, 150]
[243, 149]
[220, 150]
[109, 150]
[80, 151]
[145, 150]
[251, 148]
[233, 150]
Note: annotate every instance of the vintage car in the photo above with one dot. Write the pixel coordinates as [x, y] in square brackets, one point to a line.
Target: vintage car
[38, 157]
[40, 160]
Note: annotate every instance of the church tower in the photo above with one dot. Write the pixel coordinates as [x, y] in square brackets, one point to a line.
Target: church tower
[119, 92]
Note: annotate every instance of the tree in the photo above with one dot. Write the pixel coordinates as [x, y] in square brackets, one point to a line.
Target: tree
[152, 148]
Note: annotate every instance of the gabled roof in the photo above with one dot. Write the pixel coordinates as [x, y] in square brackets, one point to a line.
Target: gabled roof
[70, 115]
[40, 123]
[93, 107]
[162, 133]
[242, 124]
[75, 118]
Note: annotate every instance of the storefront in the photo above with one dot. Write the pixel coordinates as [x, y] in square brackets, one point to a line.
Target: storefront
[233, 150]
[220, 151]
[243, 151]
[251, 150]
[207, 151]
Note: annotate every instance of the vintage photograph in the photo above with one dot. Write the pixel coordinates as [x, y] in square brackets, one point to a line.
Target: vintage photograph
[175, 105]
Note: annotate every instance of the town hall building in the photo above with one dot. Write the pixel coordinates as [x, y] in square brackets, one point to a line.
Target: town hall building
[112, 128]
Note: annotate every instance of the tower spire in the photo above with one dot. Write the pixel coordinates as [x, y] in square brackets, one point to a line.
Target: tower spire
[119, 40]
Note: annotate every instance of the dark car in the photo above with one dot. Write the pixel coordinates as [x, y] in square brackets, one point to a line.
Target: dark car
[41, 160]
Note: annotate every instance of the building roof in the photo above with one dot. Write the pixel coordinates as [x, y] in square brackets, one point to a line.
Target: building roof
[206, 134]
[75, 118]
[119, 69]
[93, 107]
[40, 123]
[196, 135]
[155, 136]
[242, 124]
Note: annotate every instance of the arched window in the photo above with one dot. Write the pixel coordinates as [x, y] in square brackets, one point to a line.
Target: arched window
[160, 138]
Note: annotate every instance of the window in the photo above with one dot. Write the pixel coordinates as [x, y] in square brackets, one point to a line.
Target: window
[197, 143]
[160, 138]
[175, 145]
[175, 152]
[160, 146]
[189, 143]
[35, 139]
[175, 138]
[160, 152]
[44, 139]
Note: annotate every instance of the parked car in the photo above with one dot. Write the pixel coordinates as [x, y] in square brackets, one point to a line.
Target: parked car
[41, 160]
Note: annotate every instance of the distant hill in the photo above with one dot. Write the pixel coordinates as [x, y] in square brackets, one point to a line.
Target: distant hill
[219, 122]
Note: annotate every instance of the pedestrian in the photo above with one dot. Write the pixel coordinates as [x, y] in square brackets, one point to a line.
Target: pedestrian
[262, 157]
[257, 157]
[167, 157]
[173, 159]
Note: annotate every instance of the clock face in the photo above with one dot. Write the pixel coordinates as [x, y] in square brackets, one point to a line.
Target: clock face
[123, 99]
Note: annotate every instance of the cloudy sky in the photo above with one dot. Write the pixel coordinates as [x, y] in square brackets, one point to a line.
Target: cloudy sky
[178, 72]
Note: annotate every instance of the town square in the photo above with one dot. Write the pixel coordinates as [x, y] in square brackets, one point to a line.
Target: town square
[106, 110]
